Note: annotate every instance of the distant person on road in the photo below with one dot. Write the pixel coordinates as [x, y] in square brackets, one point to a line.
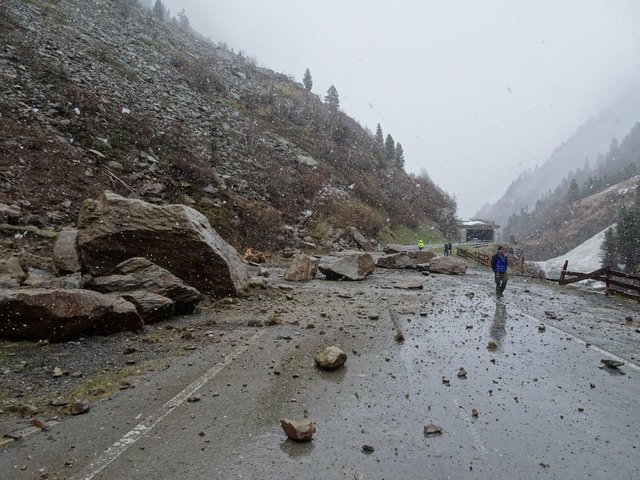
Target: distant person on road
[499, 263]
[449, 246]
[420, 244]
[446, 249]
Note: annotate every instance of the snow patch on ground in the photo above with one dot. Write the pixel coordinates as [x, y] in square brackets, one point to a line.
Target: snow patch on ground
[583, 258]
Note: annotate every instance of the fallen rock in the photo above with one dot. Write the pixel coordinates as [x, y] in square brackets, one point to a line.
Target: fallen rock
[59, 315]
[551, 315]
[138, 274]
[447, 265]
[352, 266]
[330, 358]
[362, 242]
[401, 260]
[152, 307]
[36, 276]
[492, 344]
[57, 372]
[303, 267]
[78, 407]
[66, 257]
[298, 430]
[71, 282]
[178, 238]
[615, 364]
[432, 429]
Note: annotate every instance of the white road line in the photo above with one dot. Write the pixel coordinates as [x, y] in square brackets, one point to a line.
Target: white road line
[155, 418]
[591, 347]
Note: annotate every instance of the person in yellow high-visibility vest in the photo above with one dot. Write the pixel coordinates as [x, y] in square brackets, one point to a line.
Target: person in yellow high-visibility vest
[420, 244]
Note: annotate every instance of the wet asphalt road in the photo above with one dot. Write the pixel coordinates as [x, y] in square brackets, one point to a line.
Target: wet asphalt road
[546, 409]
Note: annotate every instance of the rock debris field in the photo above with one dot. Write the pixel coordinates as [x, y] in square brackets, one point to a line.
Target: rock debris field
[203, 395]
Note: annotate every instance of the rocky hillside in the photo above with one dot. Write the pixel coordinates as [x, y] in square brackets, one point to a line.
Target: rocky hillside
[102, 95]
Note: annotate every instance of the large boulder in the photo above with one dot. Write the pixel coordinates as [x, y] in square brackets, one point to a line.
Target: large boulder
[360, 239]
[448, 265]
[138, 274]
[150, 306]
[65, 251]
[176, 237]
[394, 260]
[11, 273]
[59, 315]
[302, 268]
[352, 266]
[401, 260]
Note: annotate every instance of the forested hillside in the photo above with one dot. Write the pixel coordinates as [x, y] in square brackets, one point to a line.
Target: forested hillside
[580, 151]
[586, 201]
[107, 94]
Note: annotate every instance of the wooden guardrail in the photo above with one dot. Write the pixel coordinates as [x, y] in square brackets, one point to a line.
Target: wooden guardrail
[478, 257]
[615, 282]
[522, 267]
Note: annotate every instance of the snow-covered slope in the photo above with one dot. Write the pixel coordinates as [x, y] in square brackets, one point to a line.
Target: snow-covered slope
[583, 258]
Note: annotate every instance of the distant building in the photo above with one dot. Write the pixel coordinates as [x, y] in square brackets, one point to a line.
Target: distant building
[477, 230]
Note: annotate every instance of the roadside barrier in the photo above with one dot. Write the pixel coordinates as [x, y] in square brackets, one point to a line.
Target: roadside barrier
[615, 282]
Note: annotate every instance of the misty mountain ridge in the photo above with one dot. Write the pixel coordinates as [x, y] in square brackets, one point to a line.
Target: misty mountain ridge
[107, 94]
[581, 149]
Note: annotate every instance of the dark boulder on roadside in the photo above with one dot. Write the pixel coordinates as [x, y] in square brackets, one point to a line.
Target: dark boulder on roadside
[176, 237]
[59, 315]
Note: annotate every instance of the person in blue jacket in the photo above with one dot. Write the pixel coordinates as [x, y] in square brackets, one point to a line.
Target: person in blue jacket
[499, 263]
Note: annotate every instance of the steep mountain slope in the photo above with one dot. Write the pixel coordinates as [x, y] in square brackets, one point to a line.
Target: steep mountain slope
[574, 223]
[588, 142]
[103, 94]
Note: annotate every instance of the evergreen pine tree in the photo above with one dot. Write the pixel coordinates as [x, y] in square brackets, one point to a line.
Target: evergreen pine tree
[159, 10]
[307, 80]
[332, 98]
[574, 191]
[399, 155]
[379, 137]
[183, 20]
[625, 236]
[609, 249]
[389, 148]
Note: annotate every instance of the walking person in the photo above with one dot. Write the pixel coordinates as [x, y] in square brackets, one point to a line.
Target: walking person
[499, 263]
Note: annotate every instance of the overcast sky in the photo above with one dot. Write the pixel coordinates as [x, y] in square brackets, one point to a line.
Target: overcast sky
[476, 91]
